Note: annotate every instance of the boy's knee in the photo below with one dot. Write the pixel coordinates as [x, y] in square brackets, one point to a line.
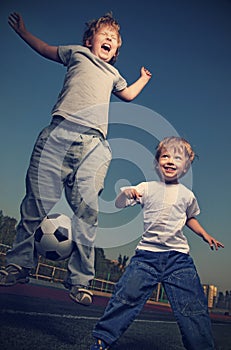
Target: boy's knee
[193, 308]
[132, 289]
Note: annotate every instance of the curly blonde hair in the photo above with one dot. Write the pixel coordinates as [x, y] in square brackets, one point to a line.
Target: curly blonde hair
[94, 25]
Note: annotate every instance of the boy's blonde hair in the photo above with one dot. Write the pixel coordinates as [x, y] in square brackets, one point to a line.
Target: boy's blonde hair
[94, 25]
[177, 143]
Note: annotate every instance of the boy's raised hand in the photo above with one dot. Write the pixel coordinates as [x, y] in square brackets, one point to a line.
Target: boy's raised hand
[145, 73]
[16, 22]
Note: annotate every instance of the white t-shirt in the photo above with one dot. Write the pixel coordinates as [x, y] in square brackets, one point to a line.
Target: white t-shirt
[87, 88]
[165, 211]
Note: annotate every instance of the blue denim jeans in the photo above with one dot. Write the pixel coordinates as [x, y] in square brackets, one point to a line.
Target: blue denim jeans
[177, 273]
[68, 157]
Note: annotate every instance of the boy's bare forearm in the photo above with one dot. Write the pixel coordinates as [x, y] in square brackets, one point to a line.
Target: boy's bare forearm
[41, 47]
[17, 24]
[133, 90]
[195, 226]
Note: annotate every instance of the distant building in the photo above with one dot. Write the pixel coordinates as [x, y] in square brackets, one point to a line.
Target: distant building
[211, 293]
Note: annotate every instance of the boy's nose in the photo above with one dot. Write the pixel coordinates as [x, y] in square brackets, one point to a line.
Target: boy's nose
[170, 160]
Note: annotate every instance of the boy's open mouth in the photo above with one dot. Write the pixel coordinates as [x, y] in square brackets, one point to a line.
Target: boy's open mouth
[168, 168]
[106, 47]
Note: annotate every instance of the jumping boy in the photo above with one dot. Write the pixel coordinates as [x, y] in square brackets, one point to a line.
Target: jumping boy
[162, 254]
[72, 152]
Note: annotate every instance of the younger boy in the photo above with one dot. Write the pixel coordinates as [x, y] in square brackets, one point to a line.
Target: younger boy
[72, 153]
[162, 255]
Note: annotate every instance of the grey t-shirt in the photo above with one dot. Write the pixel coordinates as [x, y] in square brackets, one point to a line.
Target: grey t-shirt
[87, 88]
[166, 209]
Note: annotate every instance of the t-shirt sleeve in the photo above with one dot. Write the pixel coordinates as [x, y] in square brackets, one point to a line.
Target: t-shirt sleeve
[120, 84]
[65, 53]
[193, 208]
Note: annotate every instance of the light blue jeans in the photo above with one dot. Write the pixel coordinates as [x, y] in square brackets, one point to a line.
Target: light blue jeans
[70, 157]
[178, 275]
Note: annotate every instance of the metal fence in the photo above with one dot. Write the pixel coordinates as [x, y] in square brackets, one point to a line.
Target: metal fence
[54, 274]
[50, 273]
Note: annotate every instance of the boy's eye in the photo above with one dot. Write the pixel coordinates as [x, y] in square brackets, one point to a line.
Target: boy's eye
[113, 37]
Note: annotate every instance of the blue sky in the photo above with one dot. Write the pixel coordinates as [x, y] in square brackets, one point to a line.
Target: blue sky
[186, 46]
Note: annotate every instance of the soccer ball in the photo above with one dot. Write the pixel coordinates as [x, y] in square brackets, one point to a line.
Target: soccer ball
[53, 237]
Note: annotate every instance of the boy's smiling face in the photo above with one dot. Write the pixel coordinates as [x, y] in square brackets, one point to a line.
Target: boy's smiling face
[172, 164]
[104, 43]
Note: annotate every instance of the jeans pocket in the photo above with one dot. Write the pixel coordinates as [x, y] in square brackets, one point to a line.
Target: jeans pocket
[188, 294]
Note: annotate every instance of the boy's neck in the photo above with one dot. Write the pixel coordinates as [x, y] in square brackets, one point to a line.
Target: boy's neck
[173, 182]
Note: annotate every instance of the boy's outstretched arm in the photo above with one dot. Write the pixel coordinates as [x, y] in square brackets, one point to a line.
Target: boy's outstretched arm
[133, 90]
[51, 52]
[129, 193]
[194, 225]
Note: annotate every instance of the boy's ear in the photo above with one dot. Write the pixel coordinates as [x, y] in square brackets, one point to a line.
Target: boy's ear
[187, 166]
[88, 43]
[155, 163]
[156, 166]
